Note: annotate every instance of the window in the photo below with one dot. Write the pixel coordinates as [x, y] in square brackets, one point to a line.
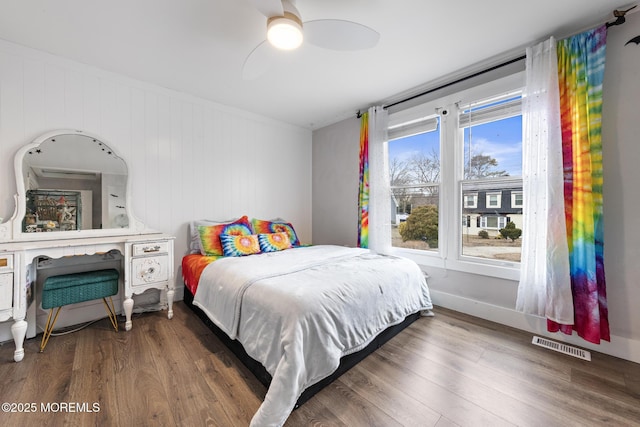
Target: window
[493, 222]
[414, 171]
[516, 199]
[460, 156]
[493, 200]
[471, 201]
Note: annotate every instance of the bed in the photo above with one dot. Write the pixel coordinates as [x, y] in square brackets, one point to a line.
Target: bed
[300, 317]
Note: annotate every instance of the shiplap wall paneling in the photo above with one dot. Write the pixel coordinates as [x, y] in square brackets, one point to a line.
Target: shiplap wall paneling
[187, 157]
[11, 124]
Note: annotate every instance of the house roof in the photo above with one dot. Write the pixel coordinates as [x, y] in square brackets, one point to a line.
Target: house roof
[199, 46]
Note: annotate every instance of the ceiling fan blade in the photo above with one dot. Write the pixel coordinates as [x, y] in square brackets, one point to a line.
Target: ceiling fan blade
[259, 61]
[337, 34]
[268, 8]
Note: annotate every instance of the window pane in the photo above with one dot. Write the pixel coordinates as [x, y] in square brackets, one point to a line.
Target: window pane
[481, 235]
[493, 149]
[492, 169]
[414, 172]
[417, 228]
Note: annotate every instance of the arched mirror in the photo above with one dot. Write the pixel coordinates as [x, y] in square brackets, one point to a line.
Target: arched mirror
[70, 184]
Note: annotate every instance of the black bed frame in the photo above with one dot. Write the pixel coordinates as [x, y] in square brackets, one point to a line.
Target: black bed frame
[346, 362]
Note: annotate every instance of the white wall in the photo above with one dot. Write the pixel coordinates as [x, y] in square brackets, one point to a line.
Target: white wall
[188, 158]
[492, 298]
[621, 141]
[335, 198]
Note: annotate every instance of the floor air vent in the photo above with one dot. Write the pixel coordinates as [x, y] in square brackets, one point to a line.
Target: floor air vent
[562, 348]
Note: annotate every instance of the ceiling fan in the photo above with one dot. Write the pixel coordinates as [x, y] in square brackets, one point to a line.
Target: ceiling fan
[286, 31]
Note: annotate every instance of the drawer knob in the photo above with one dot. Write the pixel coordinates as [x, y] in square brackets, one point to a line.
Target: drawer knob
[148, 249]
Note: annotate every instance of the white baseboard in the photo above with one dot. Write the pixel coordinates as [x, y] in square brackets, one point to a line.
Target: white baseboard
[621, 347]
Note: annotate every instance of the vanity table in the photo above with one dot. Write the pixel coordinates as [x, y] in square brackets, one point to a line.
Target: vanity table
[83, 168]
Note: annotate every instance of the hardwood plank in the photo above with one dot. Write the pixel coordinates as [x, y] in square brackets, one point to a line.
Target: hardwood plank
[139, 377]
[547, 385]
[437, 397]
[597, 389]
[237, 401]
[352, 409]
[382, 394]
[90, 382]
[506, 395]
[314, 413]
[445, 422]
[190, 392]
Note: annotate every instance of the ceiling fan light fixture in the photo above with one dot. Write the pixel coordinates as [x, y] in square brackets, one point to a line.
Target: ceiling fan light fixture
[285, 32]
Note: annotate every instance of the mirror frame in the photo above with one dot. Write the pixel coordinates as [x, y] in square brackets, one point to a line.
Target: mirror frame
[12, 229]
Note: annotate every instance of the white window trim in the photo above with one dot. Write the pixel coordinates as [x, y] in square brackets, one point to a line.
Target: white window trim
[449, 254]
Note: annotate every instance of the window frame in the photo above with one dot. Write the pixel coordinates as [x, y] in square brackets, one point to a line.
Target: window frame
[449, 254]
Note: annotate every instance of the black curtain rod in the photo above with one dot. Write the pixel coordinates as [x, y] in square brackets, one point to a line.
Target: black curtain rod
[620, 19]
[479, 73]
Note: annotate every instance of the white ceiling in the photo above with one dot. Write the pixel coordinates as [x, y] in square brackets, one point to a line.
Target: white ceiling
[199, 46]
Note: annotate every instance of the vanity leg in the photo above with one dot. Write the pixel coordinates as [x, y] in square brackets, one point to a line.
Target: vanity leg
[170, 293]
[19, 330]
[127, 305]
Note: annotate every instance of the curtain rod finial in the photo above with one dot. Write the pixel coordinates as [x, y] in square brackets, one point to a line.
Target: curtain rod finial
[619, 15]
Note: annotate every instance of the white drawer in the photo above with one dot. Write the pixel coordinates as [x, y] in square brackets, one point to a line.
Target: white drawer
[150, 248]
[148, 270]
[6, 262]
[6, 291]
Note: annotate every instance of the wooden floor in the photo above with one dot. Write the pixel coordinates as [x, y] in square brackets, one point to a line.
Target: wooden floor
[448, 370]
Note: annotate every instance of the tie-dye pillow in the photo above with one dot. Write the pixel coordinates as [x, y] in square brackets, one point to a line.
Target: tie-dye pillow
[239, 245]
[210, 235]
[195, 247]
[273, 242]
[276, 226]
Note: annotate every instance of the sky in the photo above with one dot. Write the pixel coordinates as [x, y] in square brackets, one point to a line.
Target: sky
[501, 140]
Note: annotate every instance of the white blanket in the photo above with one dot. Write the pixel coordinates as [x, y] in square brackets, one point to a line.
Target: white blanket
[299, 311]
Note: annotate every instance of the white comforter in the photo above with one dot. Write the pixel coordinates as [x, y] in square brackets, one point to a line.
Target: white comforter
[299, 311]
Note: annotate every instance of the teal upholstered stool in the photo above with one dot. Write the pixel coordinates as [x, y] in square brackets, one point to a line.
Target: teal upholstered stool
[73, 288]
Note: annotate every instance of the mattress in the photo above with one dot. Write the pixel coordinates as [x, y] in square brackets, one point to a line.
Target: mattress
[299, 311]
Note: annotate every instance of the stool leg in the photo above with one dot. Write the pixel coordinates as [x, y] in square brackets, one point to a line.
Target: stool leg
[111, 312]
[48, 329]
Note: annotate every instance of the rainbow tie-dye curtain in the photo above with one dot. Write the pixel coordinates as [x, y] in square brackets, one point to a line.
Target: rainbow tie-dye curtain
[363, 198]
[581, 61]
